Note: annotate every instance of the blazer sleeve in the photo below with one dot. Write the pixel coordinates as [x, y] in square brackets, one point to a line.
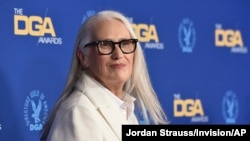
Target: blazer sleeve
[76, 124]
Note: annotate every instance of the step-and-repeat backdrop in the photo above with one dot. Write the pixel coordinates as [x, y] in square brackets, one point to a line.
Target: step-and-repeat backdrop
[197, 54]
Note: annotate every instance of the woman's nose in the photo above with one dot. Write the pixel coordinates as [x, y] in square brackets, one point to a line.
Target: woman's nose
[117, 53]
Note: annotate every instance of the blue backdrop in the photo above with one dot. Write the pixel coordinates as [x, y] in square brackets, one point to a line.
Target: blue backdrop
[197, 54]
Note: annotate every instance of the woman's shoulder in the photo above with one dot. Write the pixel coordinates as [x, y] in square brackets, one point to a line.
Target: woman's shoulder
[77, 99]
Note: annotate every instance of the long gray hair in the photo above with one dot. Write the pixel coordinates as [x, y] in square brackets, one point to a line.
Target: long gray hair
[139, 85]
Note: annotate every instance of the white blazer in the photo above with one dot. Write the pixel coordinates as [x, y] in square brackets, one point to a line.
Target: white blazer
[88, 115]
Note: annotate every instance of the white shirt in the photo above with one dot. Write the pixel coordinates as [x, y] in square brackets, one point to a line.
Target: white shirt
[126, 106]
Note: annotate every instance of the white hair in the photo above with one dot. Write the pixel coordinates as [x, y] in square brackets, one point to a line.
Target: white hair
[139, 85]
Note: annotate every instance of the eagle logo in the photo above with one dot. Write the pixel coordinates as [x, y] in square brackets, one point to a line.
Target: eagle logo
[35, 110]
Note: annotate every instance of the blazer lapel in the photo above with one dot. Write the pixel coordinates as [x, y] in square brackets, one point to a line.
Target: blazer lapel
[106, 107]
[114, 119]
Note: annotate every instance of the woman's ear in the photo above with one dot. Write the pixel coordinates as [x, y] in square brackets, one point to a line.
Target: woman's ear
[82, 58]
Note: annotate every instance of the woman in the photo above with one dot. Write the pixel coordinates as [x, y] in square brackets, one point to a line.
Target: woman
[108, 81]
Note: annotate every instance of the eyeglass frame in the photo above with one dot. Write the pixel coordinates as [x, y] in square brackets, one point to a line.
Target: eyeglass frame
[96, 43]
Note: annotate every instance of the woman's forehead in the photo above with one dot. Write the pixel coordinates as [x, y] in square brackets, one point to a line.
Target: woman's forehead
[110, 29]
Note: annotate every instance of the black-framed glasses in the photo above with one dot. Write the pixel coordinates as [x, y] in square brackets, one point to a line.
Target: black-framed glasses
[106, 47]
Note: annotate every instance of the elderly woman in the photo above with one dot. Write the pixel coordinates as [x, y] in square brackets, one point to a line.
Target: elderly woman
[108, 84]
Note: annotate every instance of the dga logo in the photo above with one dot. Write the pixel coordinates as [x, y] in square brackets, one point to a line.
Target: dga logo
[229, 38]
[147, 34]
[189, 108]
[35, 110]
[186, 35]
[88, 14]
[230, 107]
[37, 26]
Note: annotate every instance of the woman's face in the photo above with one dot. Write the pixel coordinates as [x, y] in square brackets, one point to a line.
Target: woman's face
[114, 69]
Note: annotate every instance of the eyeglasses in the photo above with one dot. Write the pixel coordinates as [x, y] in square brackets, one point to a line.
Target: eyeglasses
[106, 47]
